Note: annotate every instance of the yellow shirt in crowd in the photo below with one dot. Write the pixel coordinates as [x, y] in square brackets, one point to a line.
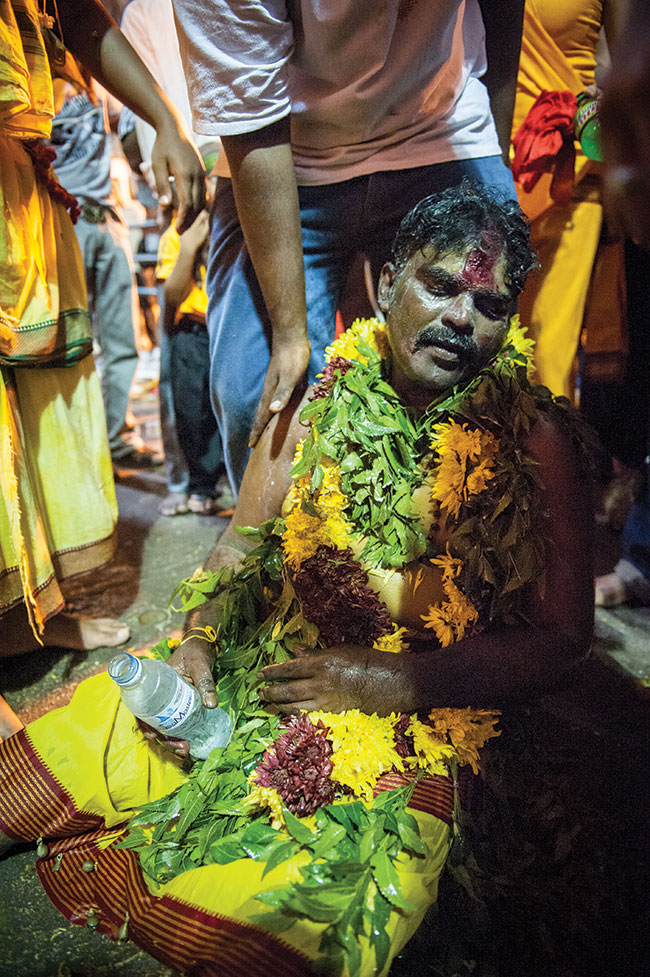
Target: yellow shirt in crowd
[196, 302]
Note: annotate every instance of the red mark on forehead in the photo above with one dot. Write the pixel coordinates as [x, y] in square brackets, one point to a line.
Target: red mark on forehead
[480, 263]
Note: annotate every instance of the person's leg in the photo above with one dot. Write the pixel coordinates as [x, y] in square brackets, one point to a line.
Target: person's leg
[61, 631]
[237, 320]
[177, 474]
[114, 305]
[9, 724]
[196, 424]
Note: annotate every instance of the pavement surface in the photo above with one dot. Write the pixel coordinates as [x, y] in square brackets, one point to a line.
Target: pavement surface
[609, 706]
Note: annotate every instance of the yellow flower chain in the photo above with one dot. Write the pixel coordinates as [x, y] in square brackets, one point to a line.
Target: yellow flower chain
[464, 463]
[305, 532]
[354, 768]
[346, 346]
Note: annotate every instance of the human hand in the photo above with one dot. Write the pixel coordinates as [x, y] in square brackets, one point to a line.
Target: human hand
[195, 235]
[339, 678]
[174, 155]
[193, 661]
[289, 361]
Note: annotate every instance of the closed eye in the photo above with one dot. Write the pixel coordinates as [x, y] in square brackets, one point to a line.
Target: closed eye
[492, 306]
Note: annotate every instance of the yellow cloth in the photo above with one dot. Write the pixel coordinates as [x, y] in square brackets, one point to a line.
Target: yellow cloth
[96, 752]
[26, 107]
[169, 245]
[558, 52]
[58, 510]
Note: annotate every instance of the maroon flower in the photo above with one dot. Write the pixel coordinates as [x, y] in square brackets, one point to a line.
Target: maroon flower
[298, 766]
[335, 596]
[42, 157]
[403, 743]
[338, 364]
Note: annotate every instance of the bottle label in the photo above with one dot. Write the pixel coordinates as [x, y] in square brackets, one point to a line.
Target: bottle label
[178, 709]
[586, 111]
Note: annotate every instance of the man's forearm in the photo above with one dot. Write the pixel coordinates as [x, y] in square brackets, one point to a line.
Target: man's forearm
[94, 37]
[503, 21]
[491, 669]
[264, 185]
[178, 284]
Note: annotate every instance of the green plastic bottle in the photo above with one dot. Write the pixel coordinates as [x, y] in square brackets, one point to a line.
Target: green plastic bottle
[586, 126]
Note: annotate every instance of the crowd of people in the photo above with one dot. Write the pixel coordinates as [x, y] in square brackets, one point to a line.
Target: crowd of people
[418, 550]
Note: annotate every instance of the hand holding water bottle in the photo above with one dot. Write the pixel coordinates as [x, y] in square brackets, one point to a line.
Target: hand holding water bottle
[175, 713]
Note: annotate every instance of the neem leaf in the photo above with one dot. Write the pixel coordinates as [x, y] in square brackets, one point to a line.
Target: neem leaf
[297, 829]
[387, 879]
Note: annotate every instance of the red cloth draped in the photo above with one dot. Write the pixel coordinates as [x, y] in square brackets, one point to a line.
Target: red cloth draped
[544, 143]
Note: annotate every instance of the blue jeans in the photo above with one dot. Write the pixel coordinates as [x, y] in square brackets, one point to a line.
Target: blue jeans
[196, 427]
[112, 299]
[338, 220]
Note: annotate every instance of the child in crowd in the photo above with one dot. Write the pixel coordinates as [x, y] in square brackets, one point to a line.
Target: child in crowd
[181, 269]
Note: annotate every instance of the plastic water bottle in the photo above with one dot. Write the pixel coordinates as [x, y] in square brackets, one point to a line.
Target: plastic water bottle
[155, 693]
[586, 126]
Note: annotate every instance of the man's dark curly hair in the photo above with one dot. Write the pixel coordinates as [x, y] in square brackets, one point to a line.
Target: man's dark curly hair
[469, 215]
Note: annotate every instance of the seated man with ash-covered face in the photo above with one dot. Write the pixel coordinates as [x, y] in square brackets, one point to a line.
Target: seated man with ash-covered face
[417, 554]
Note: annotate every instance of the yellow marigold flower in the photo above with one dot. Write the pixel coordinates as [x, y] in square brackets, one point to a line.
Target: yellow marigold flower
[431, 754]
[450, 618]
[517, 338]
[439, 620]
[466, 729]
[304, 532]
[465, 457]
[372, 330]
[268, 797]
[477, 480]
[354, 768]
[450, 565]
[302, 536]
[393, 642]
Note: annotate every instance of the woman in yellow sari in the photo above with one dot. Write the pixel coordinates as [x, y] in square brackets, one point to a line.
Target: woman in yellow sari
[58, 509]
[558, 55]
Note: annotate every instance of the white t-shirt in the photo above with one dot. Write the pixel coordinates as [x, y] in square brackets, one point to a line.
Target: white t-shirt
[149, 27]
[370, 84]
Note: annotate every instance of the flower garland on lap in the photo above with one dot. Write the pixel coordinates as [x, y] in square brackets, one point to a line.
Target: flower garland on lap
[303, 785]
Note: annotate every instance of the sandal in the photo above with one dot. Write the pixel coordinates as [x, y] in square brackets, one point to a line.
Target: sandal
[203, 505]
[174, 504]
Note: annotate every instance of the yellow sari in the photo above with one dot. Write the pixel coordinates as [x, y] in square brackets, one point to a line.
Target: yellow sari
[58, 508]
[558, 54]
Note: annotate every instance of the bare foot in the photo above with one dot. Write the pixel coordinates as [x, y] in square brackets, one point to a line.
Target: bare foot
[85, 633]
[9, 721]
[62, 631]
[610, 590]
[174, 504]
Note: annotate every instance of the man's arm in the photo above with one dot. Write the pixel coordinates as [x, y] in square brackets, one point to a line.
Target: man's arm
[487, 670]
[96, 40]
[179, 283]
[263, 490]
[625, 118]
[503, 20]
[264, 184]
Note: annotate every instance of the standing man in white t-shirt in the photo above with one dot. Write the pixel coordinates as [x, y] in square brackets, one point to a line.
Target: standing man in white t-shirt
[336, 117]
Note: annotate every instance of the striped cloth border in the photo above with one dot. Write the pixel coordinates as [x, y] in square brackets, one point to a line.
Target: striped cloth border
[33, 803]
[178, 934]
[431, 795]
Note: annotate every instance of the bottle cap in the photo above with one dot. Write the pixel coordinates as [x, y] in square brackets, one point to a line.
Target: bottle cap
[124, 668]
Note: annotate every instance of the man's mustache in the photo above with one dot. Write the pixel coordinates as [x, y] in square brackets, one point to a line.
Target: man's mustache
[458, 343]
